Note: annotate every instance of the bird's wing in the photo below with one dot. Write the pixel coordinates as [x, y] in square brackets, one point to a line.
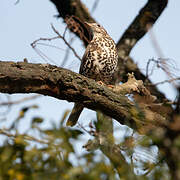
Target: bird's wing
[90, 48]
[83, 60]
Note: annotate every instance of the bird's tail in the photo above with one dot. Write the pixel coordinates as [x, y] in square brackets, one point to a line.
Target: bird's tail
[74, 116]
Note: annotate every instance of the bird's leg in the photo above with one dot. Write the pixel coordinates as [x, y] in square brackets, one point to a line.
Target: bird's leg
[100, 83]
[110, 86]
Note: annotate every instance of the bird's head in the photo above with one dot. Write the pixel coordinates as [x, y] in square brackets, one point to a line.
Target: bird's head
[96, 28]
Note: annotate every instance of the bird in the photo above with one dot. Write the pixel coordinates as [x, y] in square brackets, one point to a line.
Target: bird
[99, 62]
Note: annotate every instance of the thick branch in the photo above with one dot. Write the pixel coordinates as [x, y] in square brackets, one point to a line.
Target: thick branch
[138, 28]
[76, 9]
[72, 7]
[148, 15]
[113, 152]
[63, 84]
[105, 139]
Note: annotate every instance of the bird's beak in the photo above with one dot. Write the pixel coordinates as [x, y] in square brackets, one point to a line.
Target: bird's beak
[89, 24]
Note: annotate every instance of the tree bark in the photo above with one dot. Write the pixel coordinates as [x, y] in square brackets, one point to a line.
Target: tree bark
[63, 84]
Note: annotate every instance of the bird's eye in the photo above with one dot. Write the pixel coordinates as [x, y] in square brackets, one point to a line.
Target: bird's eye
[99, 25]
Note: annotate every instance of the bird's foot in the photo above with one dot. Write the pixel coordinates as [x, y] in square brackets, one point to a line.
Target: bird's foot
[110, 86]
[100, 83]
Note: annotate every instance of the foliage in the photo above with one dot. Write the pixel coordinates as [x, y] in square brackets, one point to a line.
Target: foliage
[53, 155]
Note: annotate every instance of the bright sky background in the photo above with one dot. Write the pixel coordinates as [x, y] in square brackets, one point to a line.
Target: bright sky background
[27, 21]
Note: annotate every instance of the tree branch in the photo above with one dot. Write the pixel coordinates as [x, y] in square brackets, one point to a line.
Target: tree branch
[148, 15]
[22, 77]
[138, 28]
[72, 7]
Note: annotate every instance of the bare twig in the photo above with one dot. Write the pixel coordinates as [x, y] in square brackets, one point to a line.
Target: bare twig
[8, 108]
[96, 2]
[165, 81]
[67, 53]
[33, 44]
[16, 2]
[159, 52]
[159, 64]
[39, 52]
[43, 56]
[19, 101]
[73, 50]
[65, 31]
[91, 132]
[44, 44]
[147, 68]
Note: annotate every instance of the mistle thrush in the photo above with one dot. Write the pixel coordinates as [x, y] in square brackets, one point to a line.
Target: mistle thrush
[99, 63]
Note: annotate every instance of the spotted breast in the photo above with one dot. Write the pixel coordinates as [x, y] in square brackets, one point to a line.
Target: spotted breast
[99, 63]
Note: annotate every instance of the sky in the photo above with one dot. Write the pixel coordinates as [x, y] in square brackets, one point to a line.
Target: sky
[27, 21]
